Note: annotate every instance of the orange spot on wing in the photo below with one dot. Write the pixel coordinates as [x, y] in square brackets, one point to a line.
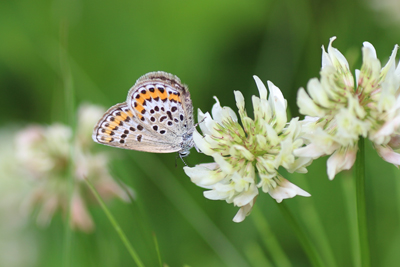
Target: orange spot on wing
[154, 94]
[162, 95]
[175, 97]
[123, 116]
[140, 99]
[139, 108]
[145, 96]
[112, 124]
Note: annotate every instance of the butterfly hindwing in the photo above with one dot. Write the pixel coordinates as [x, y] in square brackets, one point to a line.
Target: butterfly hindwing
[119, 127]
[158, 100]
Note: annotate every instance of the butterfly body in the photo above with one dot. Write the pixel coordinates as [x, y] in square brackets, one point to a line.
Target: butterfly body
[157, 117]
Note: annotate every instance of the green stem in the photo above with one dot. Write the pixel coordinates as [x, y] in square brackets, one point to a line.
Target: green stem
[157, 249]
[67, 79]
[256, 255]
[349, 186]
[116, 226]
[313, 224]
[271, 243]
[361, 207]
[305, 242]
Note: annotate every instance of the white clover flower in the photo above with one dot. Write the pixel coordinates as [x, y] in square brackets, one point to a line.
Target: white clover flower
[44, 155]
[87, 114]
[340, 112]
[387, 10]
[14, 237]
[247, 155]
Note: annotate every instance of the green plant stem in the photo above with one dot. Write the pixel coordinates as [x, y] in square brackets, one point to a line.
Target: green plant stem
[312, 221]
[303, 238]
[66, 77]
[349, 187]
[116, 226]
[271, 243]
[256, 255]
[157, 249]
[361, 207]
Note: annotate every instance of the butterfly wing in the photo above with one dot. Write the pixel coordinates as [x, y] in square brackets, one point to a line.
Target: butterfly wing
[120, 127]
[162, 104]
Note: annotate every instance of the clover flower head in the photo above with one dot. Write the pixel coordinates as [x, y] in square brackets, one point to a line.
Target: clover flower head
[45, 155]
[13, 221]
[247, 155]
[339, 111]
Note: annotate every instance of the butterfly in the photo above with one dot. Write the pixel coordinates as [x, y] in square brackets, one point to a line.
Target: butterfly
[157, 117]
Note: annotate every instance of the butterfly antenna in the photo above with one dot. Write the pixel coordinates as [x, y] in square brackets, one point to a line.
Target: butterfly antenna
[197, 124]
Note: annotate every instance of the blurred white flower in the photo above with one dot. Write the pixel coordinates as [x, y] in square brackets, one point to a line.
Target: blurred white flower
[18, 245]
[387, 11]
[87, 114]
[258, 146]
[339, 112]
[48, 156]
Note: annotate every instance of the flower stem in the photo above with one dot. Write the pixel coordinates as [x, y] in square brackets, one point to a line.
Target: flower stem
[69, 92]
[157, 249]
[271, 243]
[117, 228]
[361, 207]
[313, 223]
[349, 187]
[305, 242]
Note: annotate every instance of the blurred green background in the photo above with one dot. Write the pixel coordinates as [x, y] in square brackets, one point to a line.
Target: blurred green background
[100, 48]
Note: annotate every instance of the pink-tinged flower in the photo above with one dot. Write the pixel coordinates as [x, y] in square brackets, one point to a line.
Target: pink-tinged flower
[247, 155]
[340, 111]
[19, 247]
[80, 217]
[48, 156]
